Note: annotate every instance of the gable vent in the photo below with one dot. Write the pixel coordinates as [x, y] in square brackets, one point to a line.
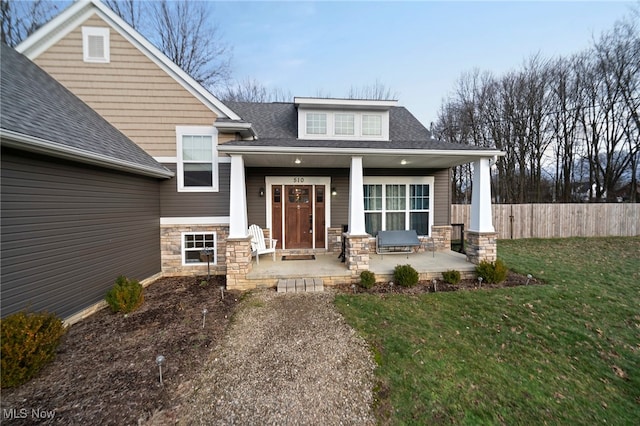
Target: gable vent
[95, 44]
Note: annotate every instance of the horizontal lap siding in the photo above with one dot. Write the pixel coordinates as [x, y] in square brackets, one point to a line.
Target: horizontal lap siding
[68, 231]
[195, 204]
[131, 92]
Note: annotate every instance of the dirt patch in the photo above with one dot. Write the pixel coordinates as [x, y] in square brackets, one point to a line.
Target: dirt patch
[105, 371]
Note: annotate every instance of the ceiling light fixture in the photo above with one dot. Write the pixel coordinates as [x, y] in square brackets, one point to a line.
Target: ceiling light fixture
[403, 162]
[297, 161]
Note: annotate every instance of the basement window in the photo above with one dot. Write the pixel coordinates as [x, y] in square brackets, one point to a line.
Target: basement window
[95, 44]
[194, 243]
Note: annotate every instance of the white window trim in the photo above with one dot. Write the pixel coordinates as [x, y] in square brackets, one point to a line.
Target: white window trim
[214, 261]
[100, 32]
[357, 124]
[402, 180]
[197, 131]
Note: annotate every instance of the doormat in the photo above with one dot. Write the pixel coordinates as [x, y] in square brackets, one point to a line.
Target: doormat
[299, 257]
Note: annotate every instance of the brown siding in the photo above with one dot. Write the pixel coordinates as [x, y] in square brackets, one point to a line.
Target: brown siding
[195, 204]
[131, 92]
[68, 231]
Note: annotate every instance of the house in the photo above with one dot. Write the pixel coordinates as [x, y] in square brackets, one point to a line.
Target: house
[75, 191]
[305, 171]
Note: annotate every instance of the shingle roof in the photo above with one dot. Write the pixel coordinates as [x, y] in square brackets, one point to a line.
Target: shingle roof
[277, 125]
[35, 105]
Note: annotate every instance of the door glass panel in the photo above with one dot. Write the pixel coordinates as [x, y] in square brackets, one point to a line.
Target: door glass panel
[276, 195]
[299, 195]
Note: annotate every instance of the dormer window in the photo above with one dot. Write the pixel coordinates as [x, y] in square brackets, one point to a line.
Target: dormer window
[343, 119]
[95, 44]
[344, 124]
[316, 123]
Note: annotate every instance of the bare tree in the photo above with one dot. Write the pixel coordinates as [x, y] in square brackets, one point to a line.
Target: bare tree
[133, 12]
[375, 91]
[250, 90]
[184, 31]
[21, 18]
[185, 34]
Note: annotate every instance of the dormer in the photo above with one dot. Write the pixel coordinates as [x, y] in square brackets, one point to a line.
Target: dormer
[343, 119]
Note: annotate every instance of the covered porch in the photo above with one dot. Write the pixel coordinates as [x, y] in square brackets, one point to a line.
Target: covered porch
[328, 267]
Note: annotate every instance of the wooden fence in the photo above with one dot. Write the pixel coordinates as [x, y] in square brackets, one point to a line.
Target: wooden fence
[558, 220]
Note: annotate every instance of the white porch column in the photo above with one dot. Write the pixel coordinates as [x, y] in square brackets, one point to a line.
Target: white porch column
[238, 222]
[356, 198]
[481, 217]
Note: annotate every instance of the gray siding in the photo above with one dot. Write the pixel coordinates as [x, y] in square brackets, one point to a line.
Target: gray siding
[255, 178]
[68, 231]
[195, 204]
[442, 194]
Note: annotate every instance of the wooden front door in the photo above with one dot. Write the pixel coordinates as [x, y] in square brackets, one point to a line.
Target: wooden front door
[298, 216]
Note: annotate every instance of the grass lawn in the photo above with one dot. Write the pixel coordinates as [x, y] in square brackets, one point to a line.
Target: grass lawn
[567, 352]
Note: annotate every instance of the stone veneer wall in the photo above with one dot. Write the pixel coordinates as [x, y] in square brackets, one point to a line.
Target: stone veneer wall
[481, 246]
[238, 257]
[357, 254]
[171, 249]
[334, 235]
[441, 236]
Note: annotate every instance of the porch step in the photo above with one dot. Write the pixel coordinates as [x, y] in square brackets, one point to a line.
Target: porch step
[300, 285]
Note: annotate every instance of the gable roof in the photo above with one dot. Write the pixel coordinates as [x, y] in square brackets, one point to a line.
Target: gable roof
[80, 11]
[38, 114]
[276, 125]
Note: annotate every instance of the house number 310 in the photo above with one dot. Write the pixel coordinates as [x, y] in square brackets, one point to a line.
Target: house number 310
[298, 180]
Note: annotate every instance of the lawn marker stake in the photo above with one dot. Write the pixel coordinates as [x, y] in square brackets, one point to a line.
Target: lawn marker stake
[160, 360]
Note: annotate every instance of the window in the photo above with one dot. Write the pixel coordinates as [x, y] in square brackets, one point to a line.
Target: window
[194, 243]
[371, 125]
[344, 124]
[197, 159]
[95, 44]
[316, 123]
[404, 204]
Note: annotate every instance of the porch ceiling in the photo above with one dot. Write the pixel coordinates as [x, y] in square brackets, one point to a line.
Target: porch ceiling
[422, 159]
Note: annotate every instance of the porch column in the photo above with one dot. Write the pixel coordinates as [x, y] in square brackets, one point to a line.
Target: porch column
[356, 198]
[238, 222]
[481, 236]
[481, 217]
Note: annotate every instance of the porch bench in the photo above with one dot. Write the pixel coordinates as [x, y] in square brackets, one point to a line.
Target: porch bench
[396, 242]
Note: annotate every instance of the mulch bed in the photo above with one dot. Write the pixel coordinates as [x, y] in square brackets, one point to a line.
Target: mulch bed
[105, 371]
[513, 280]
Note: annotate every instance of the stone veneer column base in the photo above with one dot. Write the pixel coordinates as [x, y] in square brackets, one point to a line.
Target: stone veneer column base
[357, 253]
[481, 246]
[238, 259]
[441, 236]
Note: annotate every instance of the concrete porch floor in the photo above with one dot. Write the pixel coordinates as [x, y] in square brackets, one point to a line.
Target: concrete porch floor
[328, 267]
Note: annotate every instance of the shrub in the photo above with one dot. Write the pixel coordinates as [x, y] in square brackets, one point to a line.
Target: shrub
[492, 272]
[125, 296]
[405, 275]
[367, 279]
[451, 276]
[29, 342]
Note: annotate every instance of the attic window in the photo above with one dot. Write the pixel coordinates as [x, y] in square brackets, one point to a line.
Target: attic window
[95, 44]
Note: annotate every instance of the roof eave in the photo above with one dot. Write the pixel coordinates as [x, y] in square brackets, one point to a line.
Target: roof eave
[37, 145]
[235, 149]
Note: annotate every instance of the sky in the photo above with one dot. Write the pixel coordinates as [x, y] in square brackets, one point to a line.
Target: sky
[417, 49]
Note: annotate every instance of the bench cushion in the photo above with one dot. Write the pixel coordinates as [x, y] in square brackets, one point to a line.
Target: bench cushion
[398, 238]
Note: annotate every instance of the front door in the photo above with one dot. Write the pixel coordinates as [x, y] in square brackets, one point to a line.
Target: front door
[298, 216]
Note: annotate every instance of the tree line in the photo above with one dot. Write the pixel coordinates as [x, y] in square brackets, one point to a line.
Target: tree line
[569, 126]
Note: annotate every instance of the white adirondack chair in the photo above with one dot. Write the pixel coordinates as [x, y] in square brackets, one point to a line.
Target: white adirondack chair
[258, 245]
